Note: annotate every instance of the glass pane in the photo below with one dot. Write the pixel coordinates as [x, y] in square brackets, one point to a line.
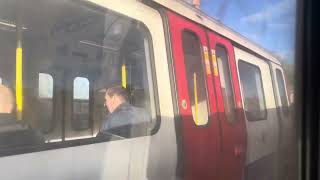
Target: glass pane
[0, 81]
[45, 85]
[80, 118]
[45, 102]
[282, 92]
[251, 84]
[73, 39]
[81, 88]
[225, 80]
[195, 78]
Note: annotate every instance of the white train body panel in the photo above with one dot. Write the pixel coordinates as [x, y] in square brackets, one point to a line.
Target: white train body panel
[263, 134]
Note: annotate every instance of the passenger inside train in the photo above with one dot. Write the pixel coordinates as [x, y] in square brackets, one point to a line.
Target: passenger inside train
[122, 115]
[12, 132]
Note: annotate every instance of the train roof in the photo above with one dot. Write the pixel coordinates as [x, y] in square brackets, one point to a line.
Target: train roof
[187, 10]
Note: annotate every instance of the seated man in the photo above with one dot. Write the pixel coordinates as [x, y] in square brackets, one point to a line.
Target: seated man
[123, 118]
[12, 133]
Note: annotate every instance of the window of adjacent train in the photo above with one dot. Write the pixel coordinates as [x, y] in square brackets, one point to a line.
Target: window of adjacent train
[69, 40]
[80, 116]
[45, 95]
[252, 89]
[195, 78]
[282, 92]
[226, 85]
[45, 86]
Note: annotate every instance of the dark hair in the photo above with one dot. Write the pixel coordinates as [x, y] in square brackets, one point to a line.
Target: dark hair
[118, 90]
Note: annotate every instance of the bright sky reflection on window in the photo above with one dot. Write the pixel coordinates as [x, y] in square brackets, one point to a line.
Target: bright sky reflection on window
[45, 85]
[81, 88]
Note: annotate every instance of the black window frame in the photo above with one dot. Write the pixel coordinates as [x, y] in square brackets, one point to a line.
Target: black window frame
[185, 30]
[265, 117]
[231, 83]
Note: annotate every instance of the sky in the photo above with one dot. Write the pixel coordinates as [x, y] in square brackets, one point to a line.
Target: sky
[268, 23]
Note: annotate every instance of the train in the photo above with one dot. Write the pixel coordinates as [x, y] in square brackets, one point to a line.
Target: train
[218, 103]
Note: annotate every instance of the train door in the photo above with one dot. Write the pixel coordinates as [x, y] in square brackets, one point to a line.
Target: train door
[261, 116]
[64, 100]
[231, 115]
[282, 105]
[286, 125]
[78, 120]
[196, 99]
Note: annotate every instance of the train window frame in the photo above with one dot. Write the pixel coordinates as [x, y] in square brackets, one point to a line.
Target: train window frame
[231, 83]
[92, 140]
[265, 117]
[208, 121]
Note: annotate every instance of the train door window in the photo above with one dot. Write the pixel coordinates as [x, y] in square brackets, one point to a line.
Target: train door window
[253, 94]
[45, 95]
[226, 85]
[282, 92]
[45, 86]
[195, 78]
[80, 115]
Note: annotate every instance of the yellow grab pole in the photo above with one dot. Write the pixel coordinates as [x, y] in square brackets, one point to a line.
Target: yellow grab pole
[196, 98]
[124, 76]
[19, 63]
[19, 88]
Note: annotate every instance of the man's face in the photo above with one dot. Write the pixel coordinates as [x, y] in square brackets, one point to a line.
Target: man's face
[108, 101]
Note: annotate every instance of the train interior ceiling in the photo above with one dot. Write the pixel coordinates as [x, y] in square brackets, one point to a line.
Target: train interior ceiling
[70, 52]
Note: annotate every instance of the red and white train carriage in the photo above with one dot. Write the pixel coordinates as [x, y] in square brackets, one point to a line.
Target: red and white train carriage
[218, 102]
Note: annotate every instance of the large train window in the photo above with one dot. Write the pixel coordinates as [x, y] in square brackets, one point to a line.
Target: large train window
[80, 116]
[252, 89]
[282, 92]
[85, 49]
[226, 85]
[195, 78]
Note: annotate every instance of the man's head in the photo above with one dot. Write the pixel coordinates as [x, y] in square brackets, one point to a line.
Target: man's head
[115, 96]
[6, 100]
